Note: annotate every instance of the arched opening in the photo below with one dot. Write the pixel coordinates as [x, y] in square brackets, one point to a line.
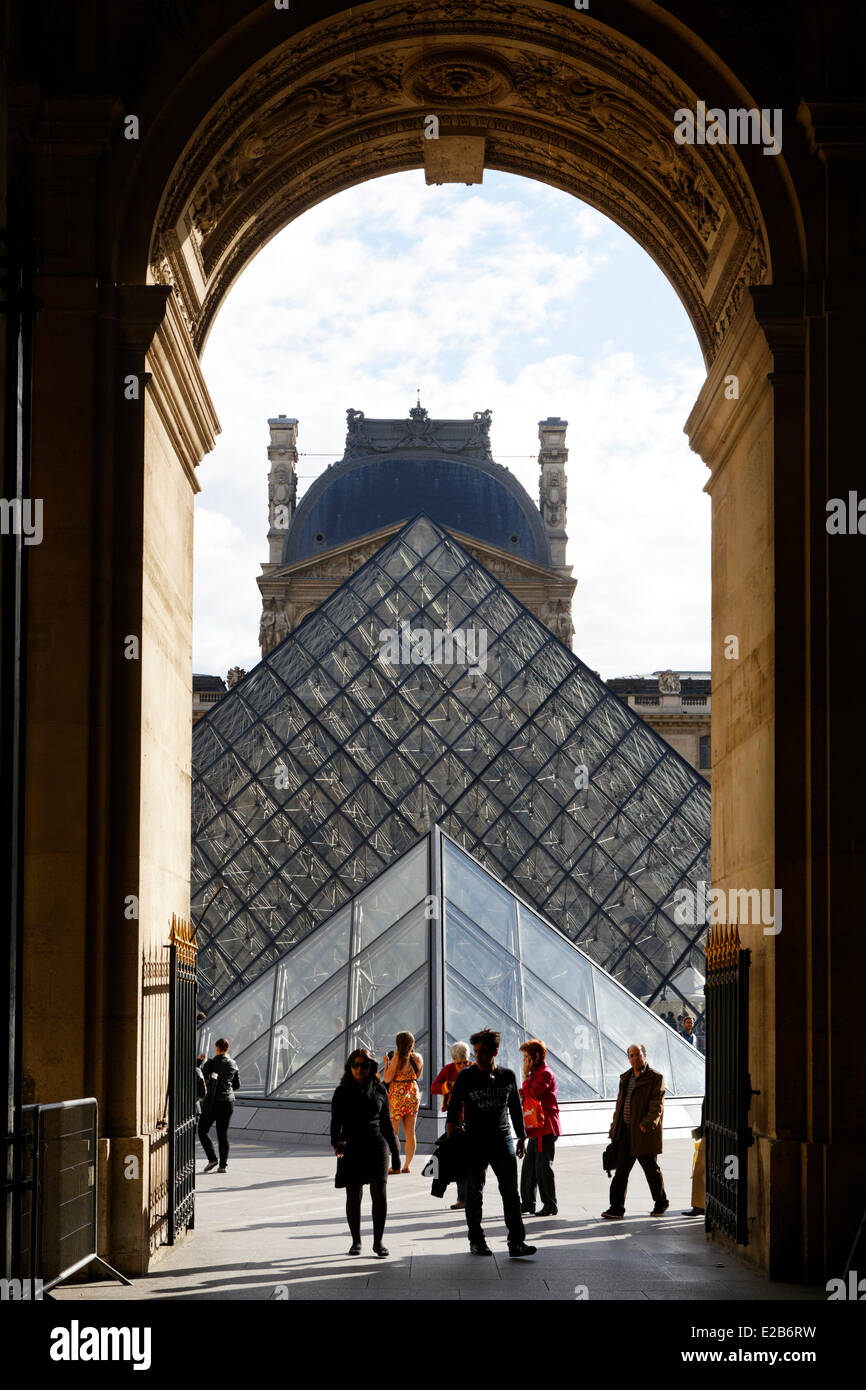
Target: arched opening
[270, 120]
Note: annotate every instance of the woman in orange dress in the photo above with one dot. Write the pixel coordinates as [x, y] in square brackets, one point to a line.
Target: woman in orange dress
[401, 1077]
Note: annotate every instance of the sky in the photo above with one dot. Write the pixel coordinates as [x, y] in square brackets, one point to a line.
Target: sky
[507, 295]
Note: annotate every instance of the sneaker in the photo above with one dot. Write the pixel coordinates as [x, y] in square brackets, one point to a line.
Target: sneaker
[355, 1248]
[694, 1211]
[517, 1251]
[611, 1215]
[457, 1206]
[479, 1247]
[660, 1208]
[223, 1169]
[381, 1251]
[548, 1211]
[209, 1167]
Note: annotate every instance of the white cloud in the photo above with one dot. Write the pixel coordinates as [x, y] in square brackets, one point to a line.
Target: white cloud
[492, 297]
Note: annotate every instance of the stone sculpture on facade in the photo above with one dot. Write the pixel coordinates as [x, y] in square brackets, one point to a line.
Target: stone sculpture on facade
[274, 626]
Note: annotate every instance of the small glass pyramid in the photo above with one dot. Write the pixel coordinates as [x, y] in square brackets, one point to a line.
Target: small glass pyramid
[422, 691]
[371, 971]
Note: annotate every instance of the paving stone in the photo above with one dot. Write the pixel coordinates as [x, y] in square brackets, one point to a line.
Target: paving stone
[277, 1219]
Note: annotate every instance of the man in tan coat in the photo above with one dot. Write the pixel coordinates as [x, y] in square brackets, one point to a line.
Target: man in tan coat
[637, 1132]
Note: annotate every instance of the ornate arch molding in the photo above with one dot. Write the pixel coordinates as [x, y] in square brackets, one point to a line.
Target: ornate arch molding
[558, 96]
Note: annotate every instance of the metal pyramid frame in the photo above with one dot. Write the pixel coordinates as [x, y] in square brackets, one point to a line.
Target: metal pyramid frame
[422, 691]
[438, 946]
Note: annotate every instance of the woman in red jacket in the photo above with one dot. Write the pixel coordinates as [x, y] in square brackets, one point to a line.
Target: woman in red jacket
[537, 1173]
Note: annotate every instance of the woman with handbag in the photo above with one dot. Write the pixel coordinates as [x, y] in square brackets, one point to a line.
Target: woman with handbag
[361, 1137]
[541, 1118]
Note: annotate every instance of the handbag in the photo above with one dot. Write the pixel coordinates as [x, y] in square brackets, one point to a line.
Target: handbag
[340, 1175]
[533, 1114]
[608, 1158]
[533, 1118]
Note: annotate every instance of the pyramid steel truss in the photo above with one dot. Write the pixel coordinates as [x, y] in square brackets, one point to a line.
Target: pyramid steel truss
[438, 946]
[329, 758]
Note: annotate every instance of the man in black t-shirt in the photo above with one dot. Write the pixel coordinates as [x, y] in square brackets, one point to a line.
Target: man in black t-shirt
[488, 1095]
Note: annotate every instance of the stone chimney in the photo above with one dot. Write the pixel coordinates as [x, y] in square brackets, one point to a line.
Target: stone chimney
[282, 483]
[553, 488]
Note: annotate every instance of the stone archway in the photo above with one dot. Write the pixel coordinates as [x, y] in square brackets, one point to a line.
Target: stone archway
[246, 131]
[561, 99]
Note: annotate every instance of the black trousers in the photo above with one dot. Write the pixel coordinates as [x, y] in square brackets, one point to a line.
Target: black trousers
[497, 1153]
[537, 1173]
[220, 1114]
[625, 1161]
[378, 1192]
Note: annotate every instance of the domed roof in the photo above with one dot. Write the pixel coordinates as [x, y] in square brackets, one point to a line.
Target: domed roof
[394, 469]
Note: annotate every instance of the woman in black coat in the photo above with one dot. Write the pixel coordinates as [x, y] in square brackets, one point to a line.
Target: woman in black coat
[362, 1135]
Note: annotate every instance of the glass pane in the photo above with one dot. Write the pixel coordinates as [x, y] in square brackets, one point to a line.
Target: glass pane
[623, 1019]
[467, 1012]
[320, 1078]
[405, 1010]
[571, 1037]
[247, 1017]
[615, 1063]
[689, 1073]
[562, 968]
[490, 969]
[253, 1067]
[312, 962]
[570, 1086]
[308, 1028]
[380, 968]
[480, 898]
[391, 896]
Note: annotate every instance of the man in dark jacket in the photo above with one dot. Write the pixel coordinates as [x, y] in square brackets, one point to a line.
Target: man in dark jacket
[488, 1094]
[637, 1132]
[222, 1080]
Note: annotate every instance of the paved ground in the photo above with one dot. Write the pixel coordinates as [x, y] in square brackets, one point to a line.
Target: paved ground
[274, 1227]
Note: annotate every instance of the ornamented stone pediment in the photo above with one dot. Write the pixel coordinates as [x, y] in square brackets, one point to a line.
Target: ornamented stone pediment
[560, 97]
[418, 433]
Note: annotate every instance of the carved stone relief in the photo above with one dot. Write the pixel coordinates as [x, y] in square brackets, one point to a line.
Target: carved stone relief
[595, 106]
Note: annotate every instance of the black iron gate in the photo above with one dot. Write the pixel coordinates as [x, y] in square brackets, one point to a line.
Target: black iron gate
[729, 1086]
[181, 1078]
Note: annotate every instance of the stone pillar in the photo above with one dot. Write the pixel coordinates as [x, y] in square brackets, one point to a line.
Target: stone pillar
[732, 427]
[106, 856]
[553, 486]
[834, 832]
[282, 484]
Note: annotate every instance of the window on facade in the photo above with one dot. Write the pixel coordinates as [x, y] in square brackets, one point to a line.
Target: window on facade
[704, 751]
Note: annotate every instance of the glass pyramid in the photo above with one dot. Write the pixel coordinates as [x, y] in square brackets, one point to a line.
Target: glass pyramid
[436, 916]
[422, 691]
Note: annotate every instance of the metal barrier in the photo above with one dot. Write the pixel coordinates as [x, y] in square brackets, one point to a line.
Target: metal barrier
[59, 1220]
[181, 1096]
[169, 992]
[729, 1085]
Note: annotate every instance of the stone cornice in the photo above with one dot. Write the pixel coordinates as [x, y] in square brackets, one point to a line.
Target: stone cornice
[525, 570]
[177, 389]
[716, 422]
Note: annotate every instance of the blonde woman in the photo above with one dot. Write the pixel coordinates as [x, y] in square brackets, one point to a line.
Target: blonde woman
[401, 1076]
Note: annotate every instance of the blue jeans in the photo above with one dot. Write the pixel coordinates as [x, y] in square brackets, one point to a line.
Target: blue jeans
[498, 1153]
